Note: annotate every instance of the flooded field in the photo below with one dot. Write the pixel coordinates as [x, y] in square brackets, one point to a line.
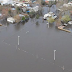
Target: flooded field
[35, 52]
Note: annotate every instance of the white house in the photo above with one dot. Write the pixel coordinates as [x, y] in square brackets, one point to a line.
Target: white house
[53, 0]
[6, 1]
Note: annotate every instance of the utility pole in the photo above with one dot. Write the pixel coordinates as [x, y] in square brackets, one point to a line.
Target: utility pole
[54, 54]
[18, 39]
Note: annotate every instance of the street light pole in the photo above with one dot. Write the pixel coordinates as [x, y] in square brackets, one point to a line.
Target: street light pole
[54, 54]
[48, 25]
[18, 40]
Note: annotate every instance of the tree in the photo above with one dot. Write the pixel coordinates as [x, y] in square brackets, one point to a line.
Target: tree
[66, 18]
[23, 18]
[9, 11]
[43, 2]
[50, 20]
[5, 12]
[18, 10]
[37, 16]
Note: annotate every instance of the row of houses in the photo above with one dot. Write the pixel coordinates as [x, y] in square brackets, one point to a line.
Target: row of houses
[51, 0]
[11, 1]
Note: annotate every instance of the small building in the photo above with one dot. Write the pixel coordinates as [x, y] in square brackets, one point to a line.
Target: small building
[6, 2]
[10, 19]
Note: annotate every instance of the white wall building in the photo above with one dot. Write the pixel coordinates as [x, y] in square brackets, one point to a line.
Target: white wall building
[6, 1]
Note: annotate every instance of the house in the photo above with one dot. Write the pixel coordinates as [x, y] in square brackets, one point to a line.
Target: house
[52, 0]
[36, 8]
[50, 14]
[6, 2]
[27, 0]
[11, 20]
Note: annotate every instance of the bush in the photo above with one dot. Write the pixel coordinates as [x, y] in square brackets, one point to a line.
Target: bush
[43, 2]
[37, 23]
[18, 9]
[9, 11]
[66, 18]
[37, 16]
[50, 20]
[32, 12]
[23, 18]
[26, 16]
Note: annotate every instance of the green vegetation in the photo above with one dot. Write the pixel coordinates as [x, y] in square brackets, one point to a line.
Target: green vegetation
[32, 12]
[43, 2]
[37, 23]
[66, 18]
[23, 18]
[55, 2]
[9, 11]
[18, 9]
[50, 20]
[26, 16]
[37, 16]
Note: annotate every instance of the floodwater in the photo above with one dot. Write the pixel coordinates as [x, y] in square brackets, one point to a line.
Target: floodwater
[35, 52]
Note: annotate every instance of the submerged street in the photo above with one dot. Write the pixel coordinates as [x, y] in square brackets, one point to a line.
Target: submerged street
[35, 52]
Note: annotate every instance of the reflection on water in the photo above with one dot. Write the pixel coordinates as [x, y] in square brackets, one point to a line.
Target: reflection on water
[37, 23]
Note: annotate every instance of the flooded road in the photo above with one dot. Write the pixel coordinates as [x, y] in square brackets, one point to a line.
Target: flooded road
[36, 49]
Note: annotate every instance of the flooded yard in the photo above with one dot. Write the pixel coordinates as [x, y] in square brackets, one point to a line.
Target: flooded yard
[35, 52]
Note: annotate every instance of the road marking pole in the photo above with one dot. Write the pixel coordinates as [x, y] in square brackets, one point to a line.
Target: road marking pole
[48, 25]
[18, 40]
[54, 54]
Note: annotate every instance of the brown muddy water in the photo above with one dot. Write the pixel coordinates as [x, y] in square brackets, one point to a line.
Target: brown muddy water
[36, 49]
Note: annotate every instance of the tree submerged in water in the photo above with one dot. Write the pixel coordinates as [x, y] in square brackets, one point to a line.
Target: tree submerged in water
[37, 16]
[37, 23]
[50, 20]
[43, 2]
[9, 11]
[66, 18]
[23, 18]
[18, 10]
